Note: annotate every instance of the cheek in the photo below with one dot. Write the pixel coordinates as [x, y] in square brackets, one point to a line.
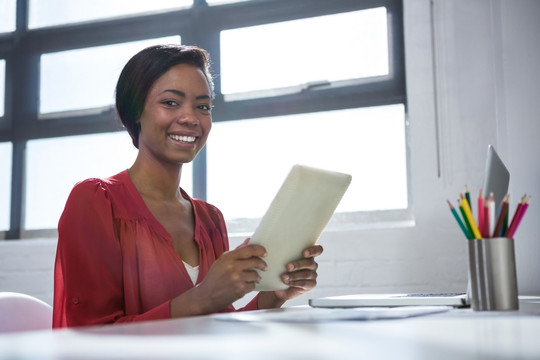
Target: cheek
[207, 125]
[152, 119]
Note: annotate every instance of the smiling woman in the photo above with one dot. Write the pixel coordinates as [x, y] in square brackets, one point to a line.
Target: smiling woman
[135, 246]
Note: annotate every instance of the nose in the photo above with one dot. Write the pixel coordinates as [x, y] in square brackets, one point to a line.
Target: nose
[187, 117]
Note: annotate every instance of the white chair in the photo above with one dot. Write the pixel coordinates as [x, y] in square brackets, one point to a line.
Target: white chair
[20, 312]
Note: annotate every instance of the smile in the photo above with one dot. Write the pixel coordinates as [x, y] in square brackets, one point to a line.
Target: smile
[186, 139]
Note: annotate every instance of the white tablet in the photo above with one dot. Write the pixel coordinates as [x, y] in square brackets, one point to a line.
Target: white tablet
[296, 218]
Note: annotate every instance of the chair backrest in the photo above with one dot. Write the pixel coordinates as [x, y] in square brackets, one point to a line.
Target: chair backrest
[20, 312]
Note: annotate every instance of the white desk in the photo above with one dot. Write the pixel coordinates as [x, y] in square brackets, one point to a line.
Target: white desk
[456, 334]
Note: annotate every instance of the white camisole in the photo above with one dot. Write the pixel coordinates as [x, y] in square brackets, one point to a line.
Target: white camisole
[193, 272]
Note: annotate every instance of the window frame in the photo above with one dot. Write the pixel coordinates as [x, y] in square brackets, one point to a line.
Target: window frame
[201, 24]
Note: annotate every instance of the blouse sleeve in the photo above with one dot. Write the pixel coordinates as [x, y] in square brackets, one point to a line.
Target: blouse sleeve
[88, 269]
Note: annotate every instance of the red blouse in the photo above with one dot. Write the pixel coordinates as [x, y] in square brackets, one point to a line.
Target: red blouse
[116, 263]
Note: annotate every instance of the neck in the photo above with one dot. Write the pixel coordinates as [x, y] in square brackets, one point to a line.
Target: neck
[156, 179]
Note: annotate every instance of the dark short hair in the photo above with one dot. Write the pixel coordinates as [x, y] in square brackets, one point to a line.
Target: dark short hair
[142, 71]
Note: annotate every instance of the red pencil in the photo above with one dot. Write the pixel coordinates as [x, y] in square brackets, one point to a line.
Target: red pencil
[486, 224]
[481, 218]
[517, 217]
[514, 218]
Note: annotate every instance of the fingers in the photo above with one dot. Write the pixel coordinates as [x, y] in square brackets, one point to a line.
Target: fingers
[246, 250]
[302, 273]
[301, 264]
[312, 251]
[302, 278]
[240, 262]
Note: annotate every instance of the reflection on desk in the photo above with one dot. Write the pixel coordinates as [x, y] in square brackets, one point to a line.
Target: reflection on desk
[454, 334]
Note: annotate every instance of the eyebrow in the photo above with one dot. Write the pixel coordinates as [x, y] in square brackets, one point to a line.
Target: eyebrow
[183, 94]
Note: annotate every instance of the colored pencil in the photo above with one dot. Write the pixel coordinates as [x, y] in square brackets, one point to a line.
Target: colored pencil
[502, 216]
[485, 229]
[480, 212]
[518, 215]
[460, 223]
[466, 221]
[491, 216]
[470, 217]
[468, 197]
[505, 222]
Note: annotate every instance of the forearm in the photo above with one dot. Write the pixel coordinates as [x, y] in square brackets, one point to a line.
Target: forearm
[191, 303]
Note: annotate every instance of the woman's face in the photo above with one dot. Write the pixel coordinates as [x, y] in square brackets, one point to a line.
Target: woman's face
[176, 118]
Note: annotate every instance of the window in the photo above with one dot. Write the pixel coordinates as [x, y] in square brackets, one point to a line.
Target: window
[2, 85]
[7, 15]
[49, 180]
[58, 12]
[304, 51]
[5, 184]
[90, 74]
[221, 2]
[316, 82]
[368, 143]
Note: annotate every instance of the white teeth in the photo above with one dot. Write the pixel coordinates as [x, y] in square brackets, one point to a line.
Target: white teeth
[188, 139]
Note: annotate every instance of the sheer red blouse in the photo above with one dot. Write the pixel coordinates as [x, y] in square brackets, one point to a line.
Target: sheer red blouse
[116, 263]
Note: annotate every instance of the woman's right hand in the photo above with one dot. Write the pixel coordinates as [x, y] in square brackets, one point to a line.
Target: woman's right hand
[230, 277]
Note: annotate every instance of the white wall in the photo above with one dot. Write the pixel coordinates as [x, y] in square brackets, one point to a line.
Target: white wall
[478, 85]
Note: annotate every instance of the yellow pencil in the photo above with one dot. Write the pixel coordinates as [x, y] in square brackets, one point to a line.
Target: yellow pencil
[470, 217]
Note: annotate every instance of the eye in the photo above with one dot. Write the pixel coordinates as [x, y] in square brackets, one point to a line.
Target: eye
[170, 102]
[205, 108]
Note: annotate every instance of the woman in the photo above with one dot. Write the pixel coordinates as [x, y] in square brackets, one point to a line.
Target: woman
[135, 246]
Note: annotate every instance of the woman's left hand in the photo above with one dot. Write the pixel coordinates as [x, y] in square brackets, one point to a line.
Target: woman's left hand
[301, 275]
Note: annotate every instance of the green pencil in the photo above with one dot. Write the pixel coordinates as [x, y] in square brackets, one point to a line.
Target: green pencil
[468, 196]
[460, 223]
[466, 221]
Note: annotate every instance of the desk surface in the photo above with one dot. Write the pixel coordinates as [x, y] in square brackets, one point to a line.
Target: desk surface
[456, 334]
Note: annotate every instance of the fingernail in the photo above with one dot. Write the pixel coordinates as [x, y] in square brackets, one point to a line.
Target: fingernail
[290, 267]
[286, 279]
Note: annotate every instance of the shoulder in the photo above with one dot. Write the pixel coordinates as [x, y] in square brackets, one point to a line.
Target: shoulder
[207, 210]
[206, 213]
[94, 185]
[94, 189]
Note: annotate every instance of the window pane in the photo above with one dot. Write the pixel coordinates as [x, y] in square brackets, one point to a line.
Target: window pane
[90, 74]
[249, 159]
[220, 2]
[5, 184]
[7, 15]
[55, 165]
[56, 12]
[326, 48]
[2, 86]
